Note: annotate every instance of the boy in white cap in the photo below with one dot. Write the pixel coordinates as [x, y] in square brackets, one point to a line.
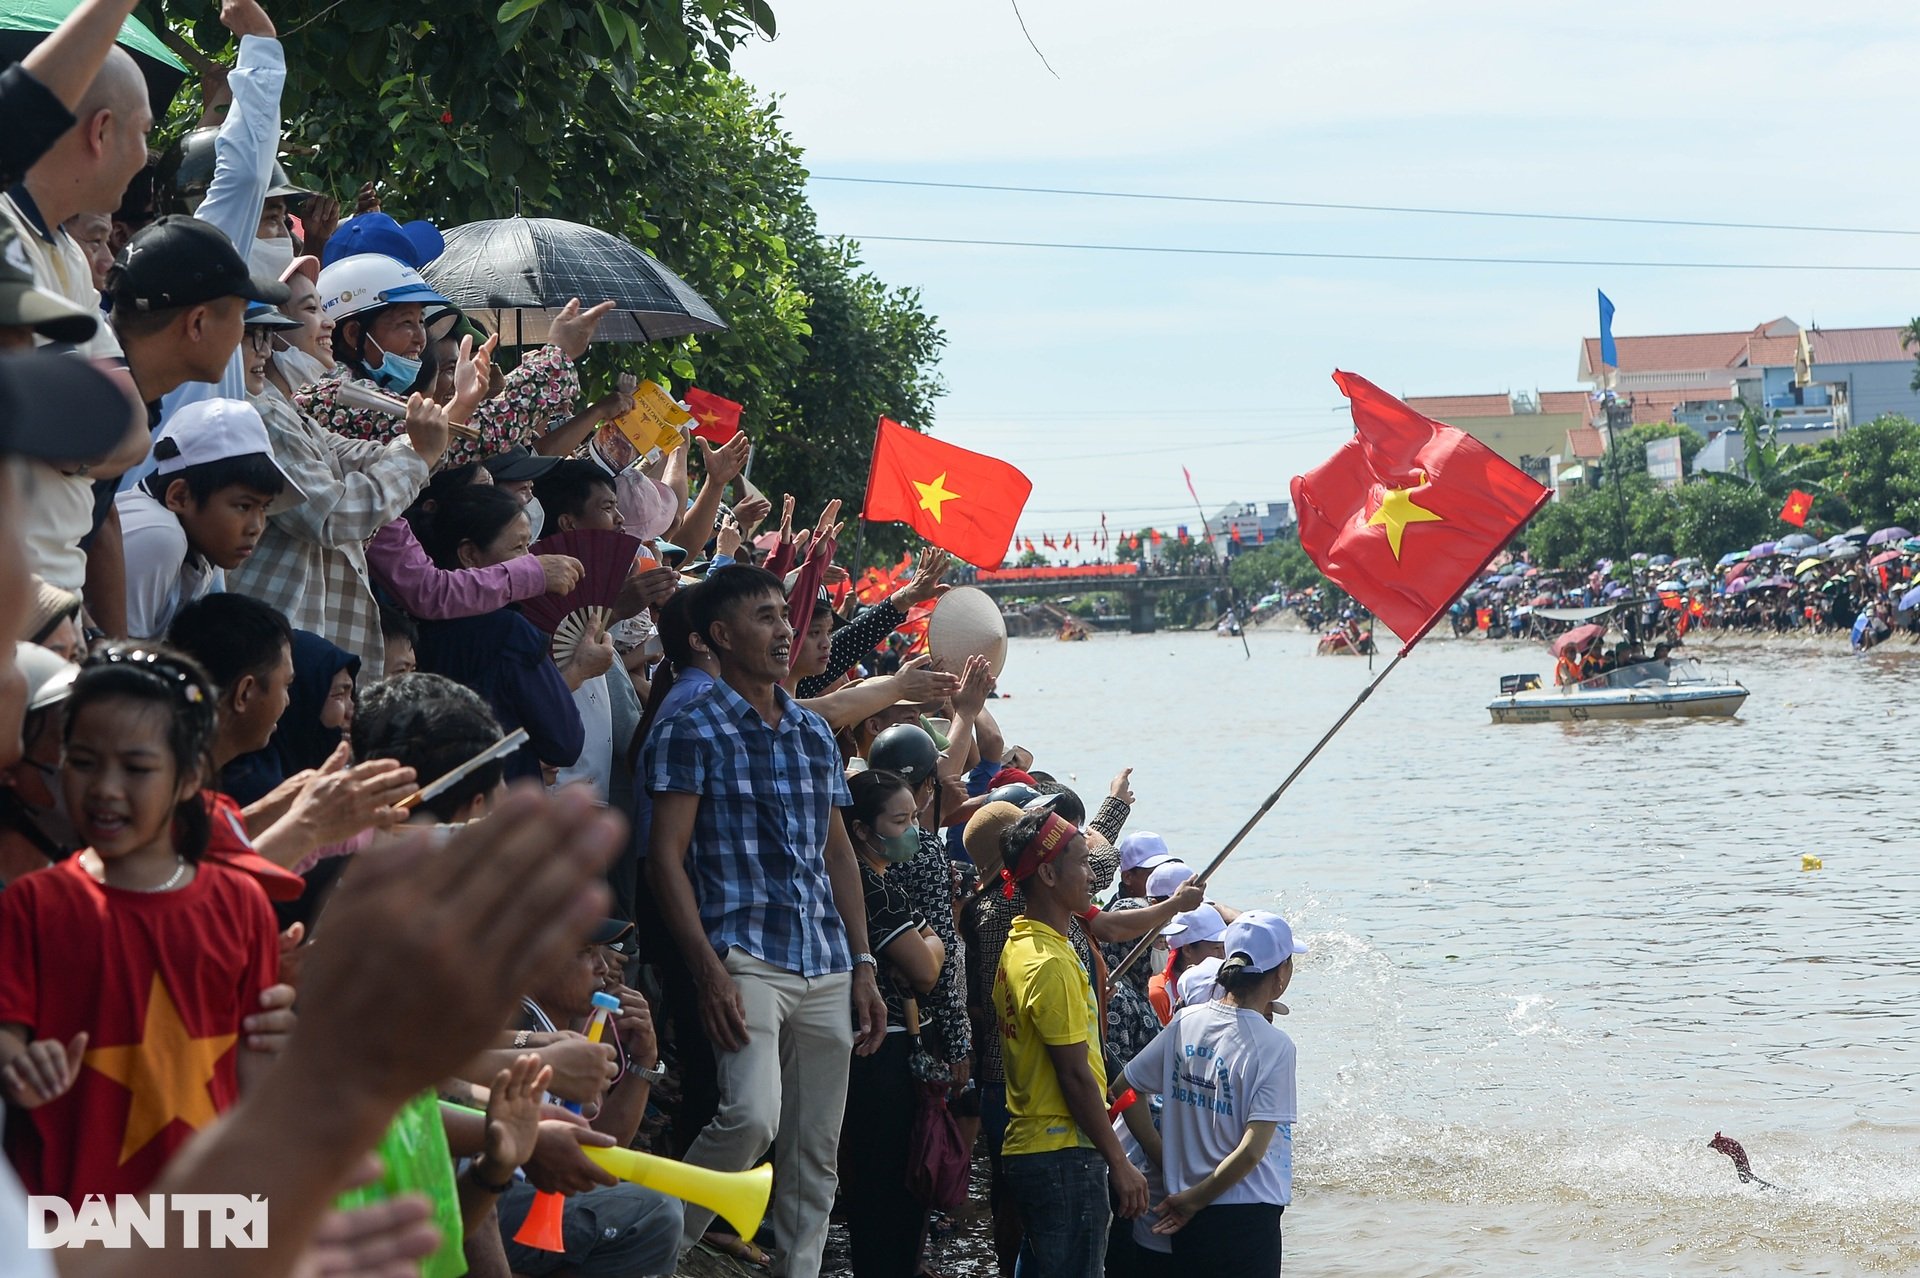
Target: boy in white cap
[1227, 1075]
[201, 512]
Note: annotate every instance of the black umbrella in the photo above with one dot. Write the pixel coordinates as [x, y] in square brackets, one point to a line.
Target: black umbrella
[513, 275]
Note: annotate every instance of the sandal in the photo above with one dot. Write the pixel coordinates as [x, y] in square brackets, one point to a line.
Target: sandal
[738, 1248]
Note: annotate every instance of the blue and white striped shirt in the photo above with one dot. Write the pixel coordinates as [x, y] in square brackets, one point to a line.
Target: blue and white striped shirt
[758, 855]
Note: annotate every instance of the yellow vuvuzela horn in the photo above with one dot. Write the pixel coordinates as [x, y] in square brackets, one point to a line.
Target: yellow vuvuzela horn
[740, 1198]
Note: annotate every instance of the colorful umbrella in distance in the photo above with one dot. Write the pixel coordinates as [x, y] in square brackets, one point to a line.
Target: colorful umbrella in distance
[1885, 535]
[1578, 637]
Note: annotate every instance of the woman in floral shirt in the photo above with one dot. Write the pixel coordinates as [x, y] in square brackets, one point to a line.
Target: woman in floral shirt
[378, 307]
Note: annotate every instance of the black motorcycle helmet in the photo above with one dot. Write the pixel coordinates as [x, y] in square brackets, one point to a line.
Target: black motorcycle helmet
[186, 170]
[906, 749]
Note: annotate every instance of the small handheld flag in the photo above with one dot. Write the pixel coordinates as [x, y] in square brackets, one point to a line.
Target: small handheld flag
[1799, 506]
[719, 417]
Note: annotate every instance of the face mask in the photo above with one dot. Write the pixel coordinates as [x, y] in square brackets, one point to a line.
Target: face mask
[536, 516]
[396, 373]
[903, 846]
[54, 822]
[301, 369]
[268, 258]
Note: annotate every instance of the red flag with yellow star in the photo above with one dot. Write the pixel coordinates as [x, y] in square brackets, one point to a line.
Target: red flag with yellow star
[961, 501]
[1409, 511]
[1799, 506]
[718, 416]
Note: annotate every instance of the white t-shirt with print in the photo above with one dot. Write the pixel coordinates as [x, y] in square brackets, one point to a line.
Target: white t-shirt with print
[1221, 1067]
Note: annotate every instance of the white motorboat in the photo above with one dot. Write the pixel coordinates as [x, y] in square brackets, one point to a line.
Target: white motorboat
[1674, 689]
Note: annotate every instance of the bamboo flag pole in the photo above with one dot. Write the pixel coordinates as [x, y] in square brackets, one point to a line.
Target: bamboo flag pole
[1201, 878]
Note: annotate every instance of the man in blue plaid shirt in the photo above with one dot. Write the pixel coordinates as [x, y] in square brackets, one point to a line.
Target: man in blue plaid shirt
[759, 886]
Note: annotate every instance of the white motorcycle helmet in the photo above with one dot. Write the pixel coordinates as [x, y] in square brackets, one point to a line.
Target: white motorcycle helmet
[368, 281]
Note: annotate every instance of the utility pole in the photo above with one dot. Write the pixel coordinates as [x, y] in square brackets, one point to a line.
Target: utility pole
[1619, 422]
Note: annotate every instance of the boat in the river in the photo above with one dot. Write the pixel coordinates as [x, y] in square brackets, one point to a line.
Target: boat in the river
[1338, 643]
[1669, 689]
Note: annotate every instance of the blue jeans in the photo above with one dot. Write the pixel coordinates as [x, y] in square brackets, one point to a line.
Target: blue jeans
[1062, 1197]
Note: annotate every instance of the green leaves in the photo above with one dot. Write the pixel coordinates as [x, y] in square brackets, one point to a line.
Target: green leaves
[514, 8]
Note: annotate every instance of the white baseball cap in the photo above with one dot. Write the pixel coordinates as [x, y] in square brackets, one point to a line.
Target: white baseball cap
[1196, 984]
[211, 430]
[1167, 878]
[1142, 850]
[1203, 924]
[1265, 938]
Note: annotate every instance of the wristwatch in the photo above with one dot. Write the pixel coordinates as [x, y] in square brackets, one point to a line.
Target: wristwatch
[649, 1076]
[868, 959]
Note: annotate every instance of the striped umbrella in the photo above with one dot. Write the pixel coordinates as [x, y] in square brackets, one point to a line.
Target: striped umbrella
[513, 275]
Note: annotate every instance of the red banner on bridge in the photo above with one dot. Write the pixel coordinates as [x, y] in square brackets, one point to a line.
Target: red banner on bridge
[1058, 574]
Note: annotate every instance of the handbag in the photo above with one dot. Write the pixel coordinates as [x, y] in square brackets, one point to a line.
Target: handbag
[939, 1165]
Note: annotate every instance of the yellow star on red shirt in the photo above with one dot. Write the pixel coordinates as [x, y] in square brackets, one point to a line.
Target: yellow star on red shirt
[167, 1071]
[1396, 511]
[934, 495]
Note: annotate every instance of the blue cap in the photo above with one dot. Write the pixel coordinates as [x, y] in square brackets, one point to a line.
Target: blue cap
[602, 999]
[260, 315]
[415, 243]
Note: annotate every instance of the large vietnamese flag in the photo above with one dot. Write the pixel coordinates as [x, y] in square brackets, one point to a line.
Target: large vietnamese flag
[1409, 511]
[961, 501]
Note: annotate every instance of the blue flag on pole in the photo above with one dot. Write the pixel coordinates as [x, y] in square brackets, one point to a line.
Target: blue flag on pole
[1608, 354]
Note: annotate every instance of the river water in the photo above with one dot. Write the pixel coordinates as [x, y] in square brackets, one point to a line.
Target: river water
[1548, 962]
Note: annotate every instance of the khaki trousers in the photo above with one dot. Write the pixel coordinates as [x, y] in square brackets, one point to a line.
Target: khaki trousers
[785, 1090]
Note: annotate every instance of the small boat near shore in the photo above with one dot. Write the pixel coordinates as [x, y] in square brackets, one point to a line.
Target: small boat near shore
[1338, 643]
[1670, 689]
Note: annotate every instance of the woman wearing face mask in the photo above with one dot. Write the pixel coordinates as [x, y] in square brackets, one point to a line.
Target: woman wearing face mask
[381, 307]
[377, 305]
[886, 1224]
[927, 877]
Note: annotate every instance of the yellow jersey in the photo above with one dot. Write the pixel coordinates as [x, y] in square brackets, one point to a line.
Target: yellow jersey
[1043, 998]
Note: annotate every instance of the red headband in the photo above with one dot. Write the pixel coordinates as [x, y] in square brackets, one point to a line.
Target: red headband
[1047, 842]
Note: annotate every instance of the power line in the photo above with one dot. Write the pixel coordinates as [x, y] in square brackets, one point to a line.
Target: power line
[1370, 208]
[1381, 257]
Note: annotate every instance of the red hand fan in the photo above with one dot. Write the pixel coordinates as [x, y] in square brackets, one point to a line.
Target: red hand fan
[587, 609]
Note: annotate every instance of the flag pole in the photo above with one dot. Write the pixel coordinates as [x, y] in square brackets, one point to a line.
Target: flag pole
[1233, 607]
[1147, 941]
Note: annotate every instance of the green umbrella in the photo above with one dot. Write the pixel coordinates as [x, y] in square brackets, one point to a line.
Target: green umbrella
[25, 23]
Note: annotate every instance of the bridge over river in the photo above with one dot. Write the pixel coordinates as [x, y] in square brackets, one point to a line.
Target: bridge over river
[1142, 590]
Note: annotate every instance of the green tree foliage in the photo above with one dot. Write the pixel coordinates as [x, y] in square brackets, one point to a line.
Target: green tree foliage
[1282, 563]
[1712, 519]
[1874, 474]
[622, 117]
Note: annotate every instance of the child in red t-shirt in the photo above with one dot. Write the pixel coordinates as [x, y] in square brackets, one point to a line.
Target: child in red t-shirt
[127, 971]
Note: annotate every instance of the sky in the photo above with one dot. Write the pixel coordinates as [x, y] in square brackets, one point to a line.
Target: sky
[1100, 374]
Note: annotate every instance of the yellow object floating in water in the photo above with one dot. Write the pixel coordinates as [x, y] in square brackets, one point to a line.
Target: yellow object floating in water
[1808, 861]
